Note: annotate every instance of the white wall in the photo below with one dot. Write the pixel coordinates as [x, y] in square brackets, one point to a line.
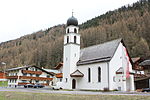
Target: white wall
[71, 56]
[82, 83]
[114, 65]
[120, 60]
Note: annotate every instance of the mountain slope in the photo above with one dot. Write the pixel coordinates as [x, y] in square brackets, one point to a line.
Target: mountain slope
[45, 48]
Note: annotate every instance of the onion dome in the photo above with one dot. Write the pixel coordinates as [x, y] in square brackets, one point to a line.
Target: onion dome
[72, 21]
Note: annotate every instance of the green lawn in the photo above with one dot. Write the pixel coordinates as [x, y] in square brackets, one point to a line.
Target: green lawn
[3, 83]
[47, 96]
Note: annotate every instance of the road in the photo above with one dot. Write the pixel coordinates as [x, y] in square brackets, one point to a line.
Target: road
[47, 90]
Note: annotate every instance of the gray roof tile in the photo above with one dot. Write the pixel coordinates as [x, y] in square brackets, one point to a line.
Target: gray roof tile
[145, 63]
[98, 53]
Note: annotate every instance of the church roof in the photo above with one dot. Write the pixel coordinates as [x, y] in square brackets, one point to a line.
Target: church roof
[98, 53]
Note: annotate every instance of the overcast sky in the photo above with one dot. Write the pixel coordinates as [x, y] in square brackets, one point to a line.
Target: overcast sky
[21, 17]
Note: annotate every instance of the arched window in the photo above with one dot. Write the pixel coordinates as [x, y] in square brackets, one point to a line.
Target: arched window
[99, 74]
[67, 39]
[68, 30]
[75, 39]
[89, 75]
[75, 30]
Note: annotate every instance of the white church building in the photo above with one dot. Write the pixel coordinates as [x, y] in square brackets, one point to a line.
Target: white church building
[98, 67]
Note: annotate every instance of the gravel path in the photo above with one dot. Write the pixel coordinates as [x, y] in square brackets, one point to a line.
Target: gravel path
[47, 90]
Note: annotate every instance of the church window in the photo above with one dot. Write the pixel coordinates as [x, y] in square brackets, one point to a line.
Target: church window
[75, 39]
[67, 39]
[99, 74]
[89, 75]
[75, 55]
[114, 79]
[68, 30]
[66, 80]
[75, 30]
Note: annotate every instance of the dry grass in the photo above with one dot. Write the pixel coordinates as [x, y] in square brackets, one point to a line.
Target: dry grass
[48, 96]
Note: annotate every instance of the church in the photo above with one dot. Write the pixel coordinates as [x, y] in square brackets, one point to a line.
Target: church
[105, 66]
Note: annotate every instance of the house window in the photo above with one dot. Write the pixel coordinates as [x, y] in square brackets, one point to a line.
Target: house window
[67, 39]
[37, 81]
[99, 74]
[68, 30]
[37, 75]
[24, 74]
[89, 75]
[75, 30]
[32, 69]
[48, 82]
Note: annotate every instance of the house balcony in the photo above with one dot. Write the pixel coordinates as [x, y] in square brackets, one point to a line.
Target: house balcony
[32, 72]
[23, 83]
[137, 67]
[35, 78]
[139, 75]
[11, 77]
[30, 78]
[59, 75]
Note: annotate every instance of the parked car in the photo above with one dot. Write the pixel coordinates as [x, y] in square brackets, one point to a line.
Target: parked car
[146, 90]
[28, 86]
[57, 86]
[38, 86]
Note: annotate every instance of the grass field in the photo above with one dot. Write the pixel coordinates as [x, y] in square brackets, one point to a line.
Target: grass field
[3, 83]
[47, 96]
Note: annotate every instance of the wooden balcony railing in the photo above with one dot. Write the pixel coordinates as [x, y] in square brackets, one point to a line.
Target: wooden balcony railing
[24, 83]
[30, 77]
[11, 77]
[35, 78]
[139, 75]
[59, 75]
[45, 84]
[32, 72]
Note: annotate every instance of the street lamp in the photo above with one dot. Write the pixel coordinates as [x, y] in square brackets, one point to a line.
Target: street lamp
[3, 63]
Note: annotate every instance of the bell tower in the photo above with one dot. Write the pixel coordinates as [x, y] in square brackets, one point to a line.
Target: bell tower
[71, 51]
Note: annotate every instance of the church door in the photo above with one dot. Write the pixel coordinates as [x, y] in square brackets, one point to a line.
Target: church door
[73, 84]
